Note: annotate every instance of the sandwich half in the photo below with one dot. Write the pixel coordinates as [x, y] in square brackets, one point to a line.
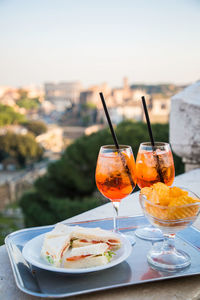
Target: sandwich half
[81, 237]
[87, 257]
[55, 244]
[84, 247]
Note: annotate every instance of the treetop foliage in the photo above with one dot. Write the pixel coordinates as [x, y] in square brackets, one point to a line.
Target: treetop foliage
[26, 102]
[21, 147]
[36, 127]
[9, 116]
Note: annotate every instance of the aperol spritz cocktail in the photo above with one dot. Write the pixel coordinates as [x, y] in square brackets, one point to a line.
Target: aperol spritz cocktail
[115, 174]
[153, 164]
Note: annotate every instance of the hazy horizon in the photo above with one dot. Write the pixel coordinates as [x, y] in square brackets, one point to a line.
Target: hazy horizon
[150, 42]
[41, 85]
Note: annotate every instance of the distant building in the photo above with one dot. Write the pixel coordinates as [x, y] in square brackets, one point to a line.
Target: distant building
[138, 93]
[88, 96]
[62, 94]
[159, 109]
[34, 91]
[122, 95]
[7, 100]
[91, 95]
[122, 112]
[52, 140]
[8, 96]
[123, 103]
[47, 107]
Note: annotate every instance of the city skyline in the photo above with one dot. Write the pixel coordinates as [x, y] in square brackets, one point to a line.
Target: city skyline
[94, 42]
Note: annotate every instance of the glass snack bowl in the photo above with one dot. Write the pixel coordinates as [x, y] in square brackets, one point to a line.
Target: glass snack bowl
[170, 219]
[153, 164]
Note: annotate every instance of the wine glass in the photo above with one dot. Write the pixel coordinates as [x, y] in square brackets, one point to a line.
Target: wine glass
[153, 164]
[170, 219]
[115, 175]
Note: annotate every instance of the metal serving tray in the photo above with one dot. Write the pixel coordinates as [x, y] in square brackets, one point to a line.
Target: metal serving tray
[135, 270]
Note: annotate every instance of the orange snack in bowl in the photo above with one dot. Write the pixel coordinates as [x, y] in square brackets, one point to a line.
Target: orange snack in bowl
[156, 211]
[151, 194]
[154, 195]
[182, 200]
[147, 191]
[174, 199]
[176, 192]
[178, 212]
[162, 191]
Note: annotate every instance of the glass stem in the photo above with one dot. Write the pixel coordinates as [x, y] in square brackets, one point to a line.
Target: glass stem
[115, 222]
[169, 242]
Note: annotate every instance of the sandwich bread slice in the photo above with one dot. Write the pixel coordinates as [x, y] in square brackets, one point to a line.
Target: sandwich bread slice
[87, 257]
[60, 229]
[89, 236]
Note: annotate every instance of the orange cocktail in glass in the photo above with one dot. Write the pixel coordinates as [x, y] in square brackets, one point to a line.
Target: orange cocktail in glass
[154, 166]
[115, 174]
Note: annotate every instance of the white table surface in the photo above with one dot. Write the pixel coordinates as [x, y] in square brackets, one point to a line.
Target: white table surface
[187, 288]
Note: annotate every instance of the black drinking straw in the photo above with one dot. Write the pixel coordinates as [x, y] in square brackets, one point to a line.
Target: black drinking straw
[151, 138]
[109, 121]
[115, 139]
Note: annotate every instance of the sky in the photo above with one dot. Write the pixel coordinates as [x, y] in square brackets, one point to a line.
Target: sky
[96, 41]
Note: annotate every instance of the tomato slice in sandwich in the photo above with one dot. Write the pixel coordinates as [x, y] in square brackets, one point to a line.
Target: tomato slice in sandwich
[113, 241]
[75, 258]
[64, 250]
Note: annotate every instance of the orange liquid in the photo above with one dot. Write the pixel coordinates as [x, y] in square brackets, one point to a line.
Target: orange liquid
[112, 178]
[147, 168]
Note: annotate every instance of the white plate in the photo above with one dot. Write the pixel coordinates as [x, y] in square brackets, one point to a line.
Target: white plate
[32, 249]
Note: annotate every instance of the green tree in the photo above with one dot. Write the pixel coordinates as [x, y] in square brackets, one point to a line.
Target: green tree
[23, 94]
[27, 102]
[21, 147]
[36, 127]
[42, 209]
[9, 116]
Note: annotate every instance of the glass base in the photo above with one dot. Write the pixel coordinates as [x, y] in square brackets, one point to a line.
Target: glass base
[168, 260]
[130, 236]
[149, 233]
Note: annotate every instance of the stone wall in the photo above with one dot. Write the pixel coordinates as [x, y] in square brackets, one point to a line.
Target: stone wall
[185, 125]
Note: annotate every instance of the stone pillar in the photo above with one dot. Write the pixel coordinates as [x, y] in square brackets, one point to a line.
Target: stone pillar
[185, 125]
